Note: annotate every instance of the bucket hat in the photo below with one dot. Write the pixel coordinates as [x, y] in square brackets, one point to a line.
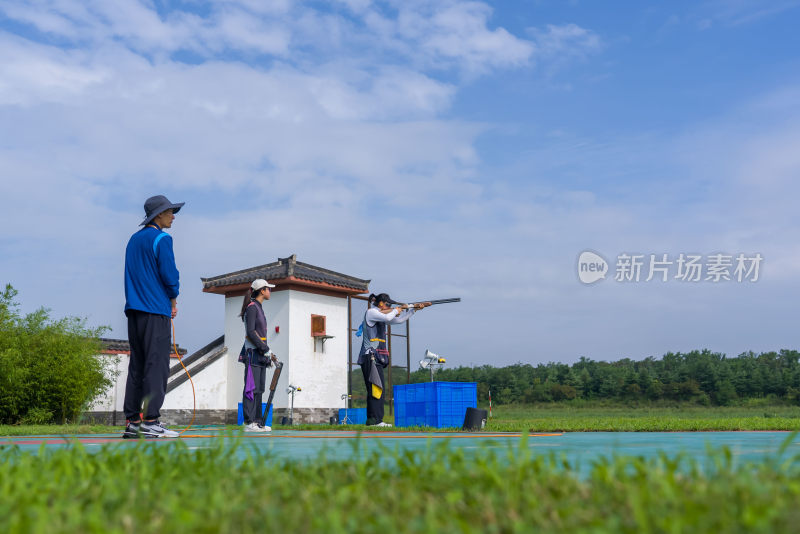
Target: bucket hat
[156, 205]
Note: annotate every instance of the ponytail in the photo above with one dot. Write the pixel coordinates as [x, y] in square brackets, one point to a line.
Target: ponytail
[247, 300]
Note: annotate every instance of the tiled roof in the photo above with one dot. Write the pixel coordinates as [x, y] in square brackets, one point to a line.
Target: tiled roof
[287, 269]
[122, 345]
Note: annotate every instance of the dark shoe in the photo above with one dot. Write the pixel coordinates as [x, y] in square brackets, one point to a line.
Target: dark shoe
[132, 431]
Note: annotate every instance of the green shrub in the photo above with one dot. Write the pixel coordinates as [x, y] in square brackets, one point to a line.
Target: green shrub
[37, 416]
[49, 369]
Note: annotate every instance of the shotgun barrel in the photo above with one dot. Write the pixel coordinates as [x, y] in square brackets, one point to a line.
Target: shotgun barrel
[437, 301]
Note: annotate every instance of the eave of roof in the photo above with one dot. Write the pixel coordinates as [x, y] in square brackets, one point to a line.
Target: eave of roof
[287, 273]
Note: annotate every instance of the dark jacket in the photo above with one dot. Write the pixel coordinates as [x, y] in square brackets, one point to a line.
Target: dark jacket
[255, 346]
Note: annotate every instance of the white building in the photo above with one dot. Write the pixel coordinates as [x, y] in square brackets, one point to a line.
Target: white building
[307, 318]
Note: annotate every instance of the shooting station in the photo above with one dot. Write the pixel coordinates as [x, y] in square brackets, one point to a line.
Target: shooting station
[307, 329]
[312, 314]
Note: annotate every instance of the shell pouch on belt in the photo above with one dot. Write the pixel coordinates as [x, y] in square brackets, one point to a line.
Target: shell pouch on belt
[255, 357]
[381, 356]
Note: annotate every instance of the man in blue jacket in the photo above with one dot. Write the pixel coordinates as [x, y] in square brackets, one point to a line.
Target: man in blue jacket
[151, 292]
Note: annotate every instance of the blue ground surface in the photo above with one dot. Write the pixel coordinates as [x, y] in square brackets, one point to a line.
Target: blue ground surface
[577, 447]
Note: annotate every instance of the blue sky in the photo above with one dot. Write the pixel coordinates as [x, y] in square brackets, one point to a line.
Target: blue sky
[481, 146]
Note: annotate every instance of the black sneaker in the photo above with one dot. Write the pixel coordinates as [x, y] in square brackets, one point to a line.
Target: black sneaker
[155, 429]
[132, 431]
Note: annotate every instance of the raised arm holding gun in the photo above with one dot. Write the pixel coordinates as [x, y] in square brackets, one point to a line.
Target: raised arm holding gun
[374, 355]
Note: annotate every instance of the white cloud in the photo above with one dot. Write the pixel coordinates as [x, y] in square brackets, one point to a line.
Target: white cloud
[433, 34]
[31, 73]
[139, 26]
[565, 41]
[738, 12]
[460, 32]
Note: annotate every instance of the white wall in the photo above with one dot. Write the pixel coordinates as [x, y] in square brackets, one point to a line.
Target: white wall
[322, 376]
[209, 385]
[276, 309]
[114, 397]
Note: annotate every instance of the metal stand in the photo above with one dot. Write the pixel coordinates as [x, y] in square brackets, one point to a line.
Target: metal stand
[322, 338]
[346, 398]
[432, 362]
[291, 389]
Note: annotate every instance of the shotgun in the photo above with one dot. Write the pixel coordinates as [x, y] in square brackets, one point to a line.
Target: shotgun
[438, 301]
[275, 376]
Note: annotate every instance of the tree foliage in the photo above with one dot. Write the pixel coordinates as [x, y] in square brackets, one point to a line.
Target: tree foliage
[700, 376]
[49, 369]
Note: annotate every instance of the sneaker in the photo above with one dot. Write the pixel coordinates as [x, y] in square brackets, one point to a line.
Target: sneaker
[132, 431]
[383, 424]
[156, 429]
[252, 427]
[265, 428]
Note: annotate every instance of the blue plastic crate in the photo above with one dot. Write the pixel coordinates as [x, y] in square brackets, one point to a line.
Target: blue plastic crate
[240, 414]
[355, 416]
[434, 404]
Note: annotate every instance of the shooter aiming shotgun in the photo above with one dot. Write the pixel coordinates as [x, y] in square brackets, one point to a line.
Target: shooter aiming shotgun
[374, 355]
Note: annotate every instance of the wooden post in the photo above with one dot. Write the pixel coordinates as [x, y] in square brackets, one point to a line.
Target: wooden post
[389, 378]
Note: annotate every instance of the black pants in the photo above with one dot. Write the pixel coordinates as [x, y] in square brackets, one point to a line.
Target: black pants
[374, 406]
[148, 368]
[251, 409]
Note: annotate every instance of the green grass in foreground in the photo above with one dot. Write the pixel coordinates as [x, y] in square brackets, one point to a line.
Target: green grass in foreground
[169, 488]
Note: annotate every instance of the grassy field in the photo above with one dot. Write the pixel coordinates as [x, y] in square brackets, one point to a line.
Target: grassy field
[170, 488]
[562, 417]
[566, 417]
[616, 418]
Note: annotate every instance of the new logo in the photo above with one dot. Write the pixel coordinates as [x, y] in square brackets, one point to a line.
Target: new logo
[591, 267]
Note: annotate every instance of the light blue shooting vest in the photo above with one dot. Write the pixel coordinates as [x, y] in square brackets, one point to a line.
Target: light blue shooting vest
[373, 340]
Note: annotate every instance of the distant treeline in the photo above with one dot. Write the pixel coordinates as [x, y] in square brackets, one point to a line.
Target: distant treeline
[703, 377]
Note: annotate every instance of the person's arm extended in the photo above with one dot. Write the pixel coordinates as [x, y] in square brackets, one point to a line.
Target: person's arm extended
[402, 316]
[167, 270]
[250, 329]
[374, 315]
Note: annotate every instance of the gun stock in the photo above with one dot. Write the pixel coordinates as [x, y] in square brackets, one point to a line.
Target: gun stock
[274, 384]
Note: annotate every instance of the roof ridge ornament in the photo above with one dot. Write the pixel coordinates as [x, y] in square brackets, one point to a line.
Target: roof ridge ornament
[292, 262]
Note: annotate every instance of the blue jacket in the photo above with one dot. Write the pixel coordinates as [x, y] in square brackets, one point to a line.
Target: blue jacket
[151, 278]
